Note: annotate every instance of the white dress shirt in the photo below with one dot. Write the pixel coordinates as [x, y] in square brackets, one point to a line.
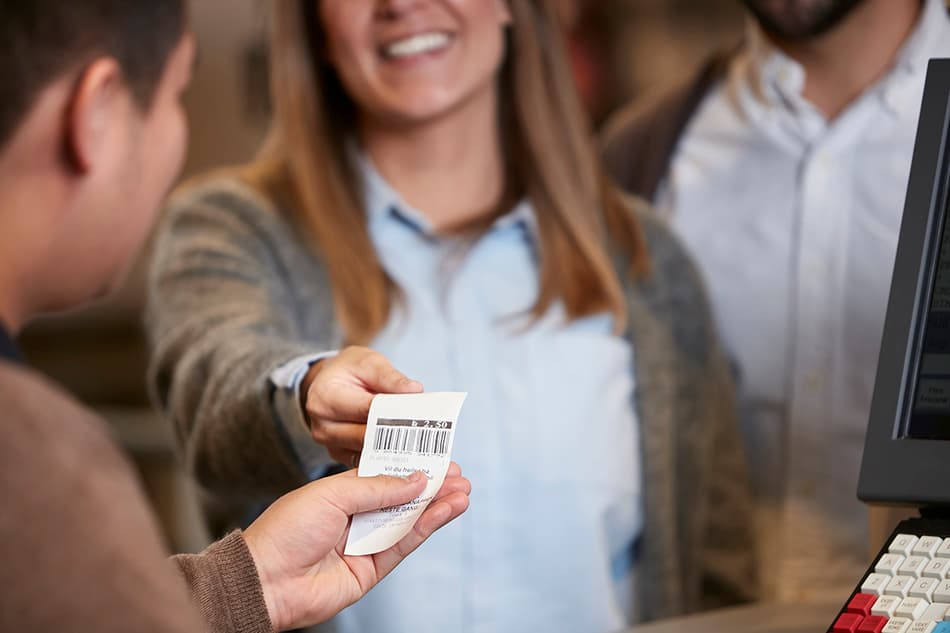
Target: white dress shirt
[793, 220]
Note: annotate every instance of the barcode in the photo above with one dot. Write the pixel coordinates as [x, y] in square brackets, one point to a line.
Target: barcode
[422, 441]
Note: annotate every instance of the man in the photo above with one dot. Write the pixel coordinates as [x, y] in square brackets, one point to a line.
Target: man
[783, 166]
[91, 137]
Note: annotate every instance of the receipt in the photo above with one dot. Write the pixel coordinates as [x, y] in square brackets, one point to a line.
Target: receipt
[404, 433]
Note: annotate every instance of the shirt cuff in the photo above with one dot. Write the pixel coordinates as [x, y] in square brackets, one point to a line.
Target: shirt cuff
[225, 586]
[286, 380]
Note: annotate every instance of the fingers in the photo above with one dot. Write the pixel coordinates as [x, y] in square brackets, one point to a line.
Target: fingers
[437, 515]
[339, 395]
[335, 399]
[454, 482]
[339, 436]
[378, 375]
[346, 457]
[448, 504]
[452, 485]
[345, 386]
[440, 513]
[351, 494]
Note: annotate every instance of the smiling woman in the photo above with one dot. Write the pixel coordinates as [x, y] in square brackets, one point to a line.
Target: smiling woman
[430, 191]
[498, 104]
[409, 70]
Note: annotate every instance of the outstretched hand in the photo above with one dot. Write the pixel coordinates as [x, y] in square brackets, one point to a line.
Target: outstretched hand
[337, 392]
[297, 544]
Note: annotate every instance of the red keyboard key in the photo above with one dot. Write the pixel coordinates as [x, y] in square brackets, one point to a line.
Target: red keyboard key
[872, 624]
[847, 623]
[861, 604]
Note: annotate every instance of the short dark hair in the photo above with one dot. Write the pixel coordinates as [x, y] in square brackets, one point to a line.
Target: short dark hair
[40, 40]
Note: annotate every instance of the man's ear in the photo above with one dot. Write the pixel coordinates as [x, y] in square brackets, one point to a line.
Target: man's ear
[95, 104]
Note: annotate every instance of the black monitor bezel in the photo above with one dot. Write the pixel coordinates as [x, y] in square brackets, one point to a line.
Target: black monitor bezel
[896, 469]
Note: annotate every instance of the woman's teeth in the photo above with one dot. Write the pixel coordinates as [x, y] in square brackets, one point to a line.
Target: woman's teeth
[416, 45]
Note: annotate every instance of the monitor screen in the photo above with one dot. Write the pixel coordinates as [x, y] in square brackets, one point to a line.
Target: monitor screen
[929, 415]
[907, 447]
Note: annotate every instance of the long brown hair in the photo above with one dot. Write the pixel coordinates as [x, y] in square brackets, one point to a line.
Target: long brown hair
[583, 223]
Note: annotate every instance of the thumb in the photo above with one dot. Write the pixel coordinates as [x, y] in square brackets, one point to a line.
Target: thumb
[351, 494]
[381, 377]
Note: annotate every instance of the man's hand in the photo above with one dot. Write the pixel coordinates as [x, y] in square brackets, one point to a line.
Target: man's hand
[336, 394]
[297, 544]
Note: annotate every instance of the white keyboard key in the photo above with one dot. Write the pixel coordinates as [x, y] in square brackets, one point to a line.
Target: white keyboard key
[890, 563]
[875, 584]
[903, 544]
[935, 612]
[911, 608]
[922, 626]
[913, 566]
[924, 588]
[937, 568]
[886, 606]
[927, 546]
[944, 550]
[897, 625]
[899, 586]
[942, 592]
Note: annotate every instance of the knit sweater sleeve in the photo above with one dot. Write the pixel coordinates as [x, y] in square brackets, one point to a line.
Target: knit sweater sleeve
[725, 549]
[726, 555]
[712, 504]
[223, 313]
[81, 549]
[224, 585]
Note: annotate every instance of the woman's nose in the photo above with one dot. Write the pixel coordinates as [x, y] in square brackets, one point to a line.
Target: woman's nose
[391, 9]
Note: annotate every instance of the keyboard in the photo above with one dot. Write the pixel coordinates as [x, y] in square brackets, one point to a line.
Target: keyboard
[907, 587]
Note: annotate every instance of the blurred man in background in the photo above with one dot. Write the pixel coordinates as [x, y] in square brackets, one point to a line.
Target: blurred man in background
[783, 165]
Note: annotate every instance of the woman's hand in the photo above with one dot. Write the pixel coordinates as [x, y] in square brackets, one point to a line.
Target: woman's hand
[336, 394]
[297, 544]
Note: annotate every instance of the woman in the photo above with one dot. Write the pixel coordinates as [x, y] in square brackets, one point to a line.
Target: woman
[430, 191]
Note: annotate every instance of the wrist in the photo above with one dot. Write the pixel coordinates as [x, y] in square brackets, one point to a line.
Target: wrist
[305, 384]
[269, 589]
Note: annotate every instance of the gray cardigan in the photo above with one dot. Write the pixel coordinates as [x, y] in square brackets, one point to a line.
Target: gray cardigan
[235, 291]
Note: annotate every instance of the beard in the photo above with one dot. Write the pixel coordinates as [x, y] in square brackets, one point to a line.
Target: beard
[799, 19]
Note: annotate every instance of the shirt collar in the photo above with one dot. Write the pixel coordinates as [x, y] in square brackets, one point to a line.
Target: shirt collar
[8, 349]
[778, 79]
[383, 202]
[933, 26]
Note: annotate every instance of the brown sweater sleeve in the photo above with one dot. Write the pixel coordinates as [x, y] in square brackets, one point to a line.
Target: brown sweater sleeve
[79, 546]
[223, 583]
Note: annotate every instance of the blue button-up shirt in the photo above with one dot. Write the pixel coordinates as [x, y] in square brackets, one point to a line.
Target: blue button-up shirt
[548, 436]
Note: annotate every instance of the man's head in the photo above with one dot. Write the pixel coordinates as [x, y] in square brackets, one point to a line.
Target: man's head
[793, 20]
[91, 137]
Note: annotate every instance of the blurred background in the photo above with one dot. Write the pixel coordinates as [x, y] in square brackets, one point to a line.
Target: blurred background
[621, 49]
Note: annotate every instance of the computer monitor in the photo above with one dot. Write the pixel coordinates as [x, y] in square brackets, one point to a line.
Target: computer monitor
[907, 448]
